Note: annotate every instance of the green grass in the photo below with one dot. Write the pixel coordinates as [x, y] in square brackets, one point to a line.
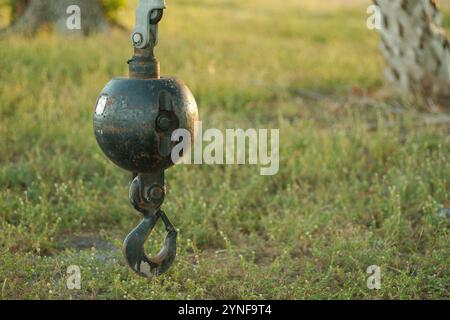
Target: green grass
[361, 181]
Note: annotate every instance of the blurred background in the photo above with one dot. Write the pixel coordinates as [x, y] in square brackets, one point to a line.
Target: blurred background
[364, 173]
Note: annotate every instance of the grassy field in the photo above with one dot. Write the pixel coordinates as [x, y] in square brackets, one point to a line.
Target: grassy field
[363, 180]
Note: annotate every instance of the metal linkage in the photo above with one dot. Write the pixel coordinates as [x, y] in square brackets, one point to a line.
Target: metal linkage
[144, 65]
[148, 14]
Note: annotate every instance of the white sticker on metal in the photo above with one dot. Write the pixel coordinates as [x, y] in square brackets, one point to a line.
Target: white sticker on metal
[101, 105]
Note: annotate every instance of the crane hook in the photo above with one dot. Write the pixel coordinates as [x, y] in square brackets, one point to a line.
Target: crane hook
[147, 195]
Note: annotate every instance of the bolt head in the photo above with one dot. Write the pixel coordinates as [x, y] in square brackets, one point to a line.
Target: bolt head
[156, 193]
[137, 38]
[164, 123]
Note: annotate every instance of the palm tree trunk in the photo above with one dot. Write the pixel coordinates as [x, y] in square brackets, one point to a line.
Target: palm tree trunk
[415, 46]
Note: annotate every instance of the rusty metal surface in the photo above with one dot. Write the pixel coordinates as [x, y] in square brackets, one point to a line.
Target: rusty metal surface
[126, 121]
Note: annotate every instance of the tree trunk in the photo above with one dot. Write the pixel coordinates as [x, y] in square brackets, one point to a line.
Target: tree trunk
[415, 46]
[54, 13]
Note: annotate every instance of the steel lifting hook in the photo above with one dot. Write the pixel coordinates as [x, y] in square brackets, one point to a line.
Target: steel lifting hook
[147, 196]
[134, 120]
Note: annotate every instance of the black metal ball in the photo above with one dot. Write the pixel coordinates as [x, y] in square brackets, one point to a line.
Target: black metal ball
[134, 121]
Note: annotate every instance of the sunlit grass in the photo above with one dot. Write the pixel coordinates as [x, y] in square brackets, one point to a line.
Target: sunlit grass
[362, 182]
